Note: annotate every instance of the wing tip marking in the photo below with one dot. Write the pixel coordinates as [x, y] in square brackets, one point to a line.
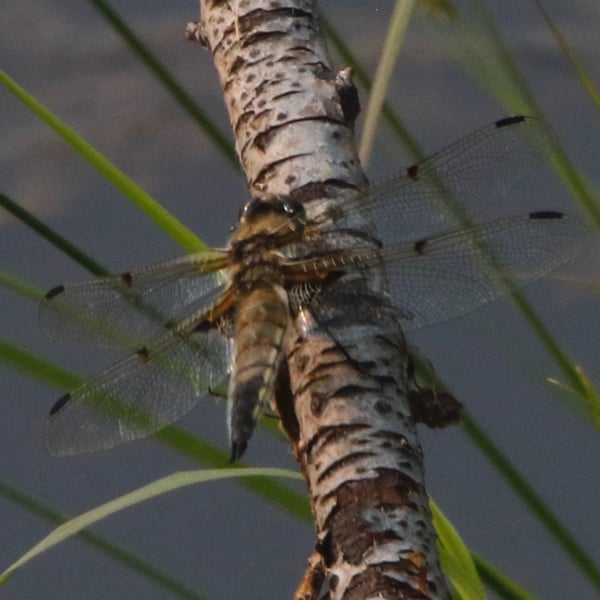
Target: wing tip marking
[55, 291]
[546, 214]
[58, 405]
[420, 246]
[143, 354]
[507, 121]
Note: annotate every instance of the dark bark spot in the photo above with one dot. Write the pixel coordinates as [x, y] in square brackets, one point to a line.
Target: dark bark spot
[383, 408]
[317, 403]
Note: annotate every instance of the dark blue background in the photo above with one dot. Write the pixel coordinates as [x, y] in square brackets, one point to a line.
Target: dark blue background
[217, 538]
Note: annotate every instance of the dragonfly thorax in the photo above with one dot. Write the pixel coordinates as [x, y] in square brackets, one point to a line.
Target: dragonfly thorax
[267, 224]
[259, 273]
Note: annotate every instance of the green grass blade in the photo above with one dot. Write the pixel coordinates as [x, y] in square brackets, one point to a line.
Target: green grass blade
[185, 101]
[34, 506]
[22, 287]
[271, 490]
[533, 501]
[501, 66]
[578, 184]
[520, 487]
[498, 582]
[28, 364]
[274, 492]
[562, 43]
[504, 76]
[492, 63]
[175, 438]
[170, 483]
[181, 234]
[294, 503]
[389, 56]
[456, 559]
[361, 77]
[49, 234]
[549, 342]
[587, 396]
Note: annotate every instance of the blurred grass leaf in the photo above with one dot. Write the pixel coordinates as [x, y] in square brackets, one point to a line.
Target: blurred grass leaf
[170, 483]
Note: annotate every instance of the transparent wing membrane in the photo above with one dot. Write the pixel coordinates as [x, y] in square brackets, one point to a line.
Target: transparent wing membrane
[455, 184]
[424, 250]
[127, 309]
[139, 395]
[452, 274]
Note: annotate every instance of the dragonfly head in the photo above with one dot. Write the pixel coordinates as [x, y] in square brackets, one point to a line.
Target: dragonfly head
[259, 209]
[270, 217]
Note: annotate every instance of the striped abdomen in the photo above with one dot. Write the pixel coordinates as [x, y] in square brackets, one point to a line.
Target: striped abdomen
[261, 322]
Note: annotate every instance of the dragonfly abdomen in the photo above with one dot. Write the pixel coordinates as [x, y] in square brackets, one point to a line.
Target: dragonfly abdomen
[261, 323]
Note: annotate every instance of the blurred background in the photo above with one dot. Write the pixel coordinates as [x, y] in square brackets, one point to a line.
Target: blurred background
[220, 539]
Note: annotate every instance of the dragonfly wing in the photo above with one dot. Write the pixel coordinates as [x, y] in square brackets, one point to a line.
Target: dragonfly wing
[126, 309]
[452, 274]
[139, 395]
[455, 184]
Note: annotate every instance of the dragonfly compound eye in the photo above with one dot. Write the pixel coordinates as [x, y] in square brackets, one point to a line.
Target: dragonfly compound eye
[291, 206]
[281, 205]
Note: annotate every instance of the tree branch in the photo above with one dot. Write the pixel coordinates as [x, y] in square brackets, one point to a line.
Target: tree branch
[347, 403]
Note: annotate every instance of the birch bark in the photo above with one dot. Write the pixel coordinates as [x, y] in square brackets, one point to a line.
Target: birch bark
[347, 409]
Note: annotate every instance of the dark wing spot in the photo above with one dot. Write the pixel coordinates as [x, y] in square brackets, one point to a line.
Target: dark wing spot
[127, 279]
[413, 172]
[59, 289]
[59, 404]
[507, 121]
[546, 214]
[144, 354]
[420, 246]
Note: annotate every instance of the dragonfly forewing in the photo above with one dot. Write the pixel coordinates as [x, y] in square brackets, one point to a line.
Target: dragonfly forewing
[127, 309]
[451, 186]
[451, 274]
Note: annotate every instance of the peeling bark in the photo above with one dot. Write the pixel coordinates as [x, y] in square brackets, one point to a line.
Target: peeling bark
[348, 414]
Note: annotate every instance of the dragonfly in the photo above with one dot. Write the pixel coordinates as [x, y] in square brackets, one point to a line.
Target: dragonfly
[195, 321]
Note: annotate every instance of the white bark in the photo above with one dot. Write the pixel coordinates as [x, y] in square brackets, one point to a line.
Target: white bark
[350, 421]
